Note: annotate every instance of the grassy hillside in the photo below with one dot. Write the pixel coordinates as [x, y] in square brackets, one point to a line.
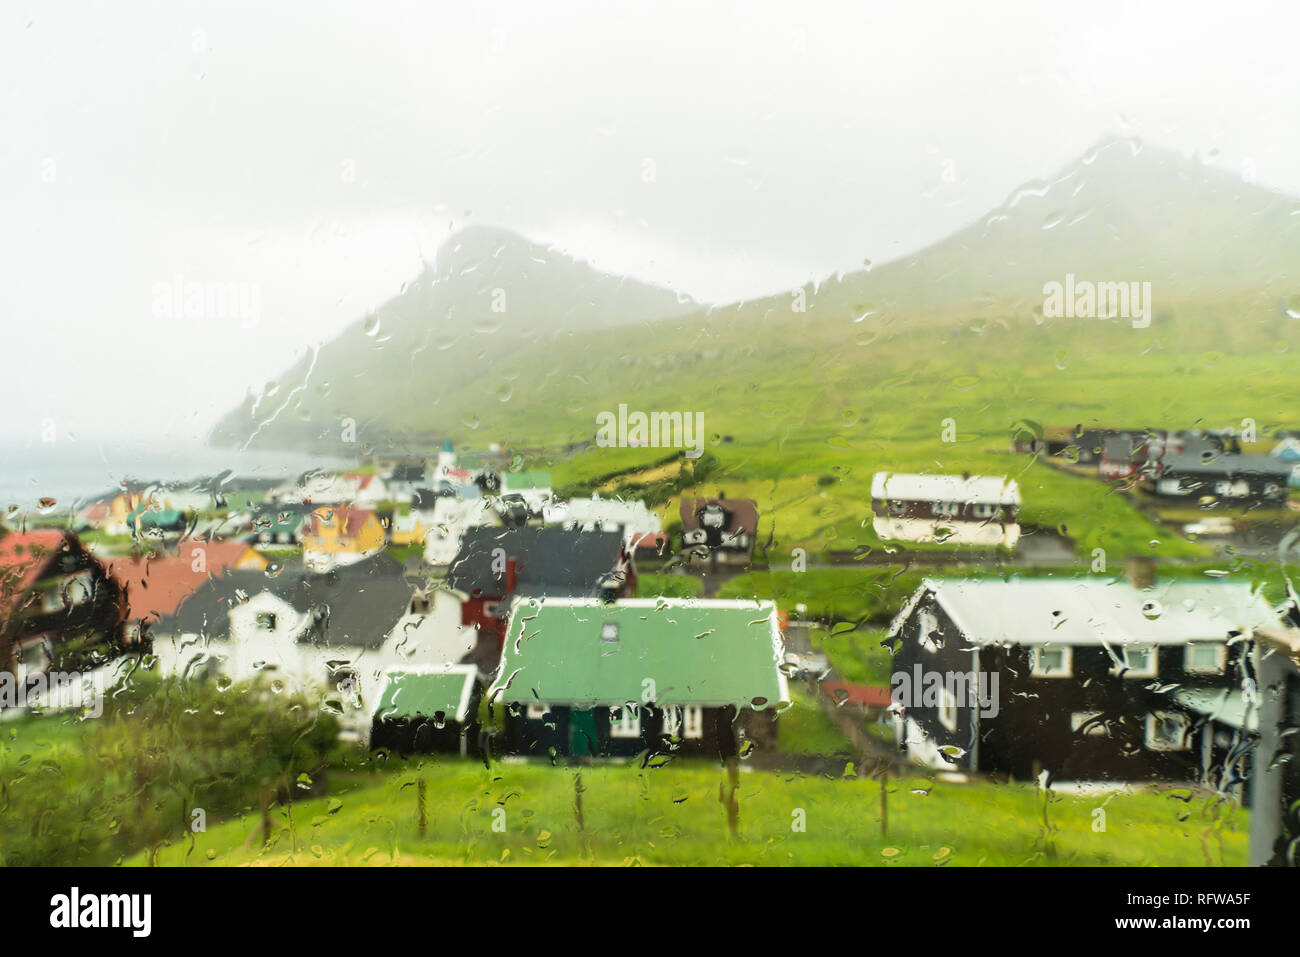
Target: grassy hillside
[801, 407]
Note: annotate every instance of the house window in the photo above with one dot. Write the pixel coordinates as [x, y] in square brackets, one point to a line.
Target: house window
[537, 710]
[693, 722]
[986, 510]
[898, 509]
[51, 601]
[672, 720]
[1052, 661]
[947, 709]
[1088, 722]
[1166, 731]
[929, 625]
[946, 509]
[79, 589]
[625, 722]
[1205, 657]
[266, 620]
[1139, 661]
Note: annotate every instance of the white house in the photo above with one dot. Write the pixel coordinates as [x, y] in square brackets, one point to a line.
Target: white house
[447, 523]
[957, 509]
[607, 515]
[337, 635]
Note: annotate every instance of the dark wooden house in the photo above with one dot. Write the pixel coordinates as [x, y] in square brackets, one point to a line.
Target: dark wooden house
[1221, 477]
[722, 527]
[59, 609]
[1086, 679]
[583, 677]
[1275, 809]
[428, 710]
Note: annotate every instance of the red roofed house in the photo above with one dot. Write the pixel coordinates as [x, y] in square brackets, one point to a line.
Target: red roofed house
[58, 608]
[869, 698]
[154, 587]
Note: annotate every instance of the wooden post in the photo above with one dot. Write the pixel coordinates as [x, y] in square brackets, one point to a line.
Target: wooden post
[884, 797]
[731, 801]
[577, 800]
[420, 806]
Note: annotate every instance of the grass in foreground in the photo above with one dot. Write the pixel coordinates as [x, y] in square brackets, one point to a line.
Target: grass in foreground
[524, 813]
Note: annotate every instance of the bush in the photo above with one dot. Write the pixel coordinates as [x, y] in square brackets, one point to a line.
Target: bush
[162, 748]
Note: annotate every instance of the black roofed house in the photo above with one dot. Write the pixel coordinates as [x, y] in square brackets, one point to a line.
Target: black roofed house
[586, 677]
[1125, 454]
[338, 632]
[1086, 679]
[405, 478]
[425, 710]
[961, 509]
[1080, 445]
[496, 564]
[1221, 476]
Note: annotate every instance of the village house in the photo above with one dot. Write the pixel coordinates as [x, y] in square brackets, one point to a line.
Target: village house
[426, 710]
[722, 529]
[531, 488]
[441, 521]
[59, 610]
[338, 633]
[154, 587]
[640, 526]
[402, 482]
[336, 535]
[495, 565]
[1275, 809]
[1086, 679]
[584, 676]
[956, 509]
[1288, 452]
[1223, 477]
[279, 524]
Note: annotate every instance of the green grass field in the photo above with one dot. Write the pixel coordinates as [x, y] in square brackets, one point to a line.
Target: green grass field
[525, 814]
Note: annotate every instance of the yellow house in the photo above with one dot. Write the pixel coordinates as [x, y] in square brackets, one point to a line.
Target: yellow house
[340, 535]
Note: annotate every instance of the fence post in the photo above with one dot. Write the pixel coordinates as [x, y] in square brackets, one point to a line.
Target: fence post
[884, 797]
[420, 805]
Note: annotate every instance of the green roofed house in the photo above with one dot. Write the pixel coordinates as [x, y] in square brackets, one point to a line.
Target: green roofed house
[426, 710]
[147, 517]
[587, 677]
[532, 489]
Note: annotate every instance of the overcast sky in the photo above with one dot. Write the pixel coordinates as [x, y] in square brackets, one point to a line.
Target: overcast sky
[316, 152]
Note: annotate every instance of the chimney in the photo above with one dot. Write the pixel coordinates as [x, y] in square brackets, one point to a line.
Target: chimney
[512, 577]
[1142, 572]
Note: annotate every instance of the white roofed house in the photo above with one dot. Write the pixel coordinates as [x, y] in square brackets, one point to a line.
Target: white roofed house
[633, 518]
[961, 509]
[1084, 678]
